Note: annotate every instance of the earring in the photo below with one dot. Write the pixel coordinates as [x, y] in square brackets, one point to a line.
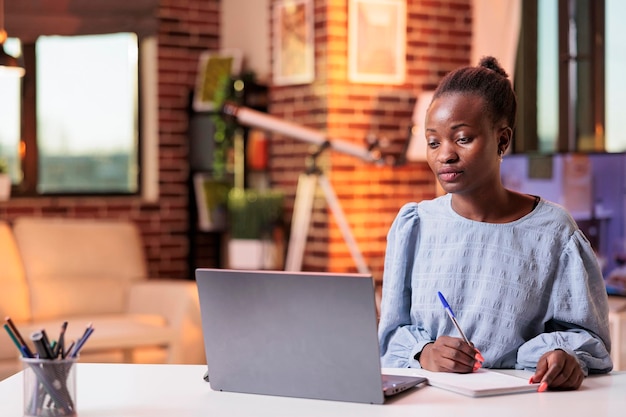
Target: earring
[500, 155]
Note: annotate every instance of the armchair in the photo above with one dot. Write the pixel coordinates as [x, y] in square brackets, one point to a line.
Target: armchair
[94, 271]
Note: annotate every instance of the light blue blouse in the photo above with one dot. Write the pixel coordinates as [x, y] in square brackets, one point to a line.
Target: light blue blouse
[518, 289]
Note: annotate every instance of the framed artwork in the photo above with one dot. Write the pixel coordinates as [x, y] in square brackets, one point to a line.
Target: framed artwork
[213, 67]
[293, 59]
[377, 41]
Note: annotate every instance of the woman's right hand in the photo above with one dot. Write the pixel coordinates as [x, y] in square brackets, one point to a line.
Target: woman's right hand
[450, 354]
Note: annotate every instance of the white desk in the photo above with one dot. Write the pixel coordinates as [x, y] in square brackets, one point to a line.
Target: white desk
[178, 391]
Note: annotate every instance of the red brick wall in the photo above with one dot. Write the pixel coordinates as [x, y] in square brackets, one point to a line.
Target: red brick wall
[438, 40]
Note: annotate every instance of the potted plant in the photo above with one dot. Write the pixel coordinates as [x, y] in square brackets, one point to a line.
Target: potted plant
[255, 229]
[229, 89]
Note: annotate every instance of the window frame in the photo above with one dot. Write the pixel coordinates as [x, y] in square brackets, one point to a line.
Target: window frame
[568, 138]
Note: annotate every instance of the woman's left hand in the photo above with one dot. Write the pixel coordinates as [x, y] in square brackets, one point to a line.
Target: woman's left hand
[558, 369]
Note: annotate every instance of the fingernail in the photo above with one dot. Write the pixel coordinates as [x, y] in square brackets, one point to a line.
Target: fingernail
[542, 387]
[479, 357]
[477, 366]
[531, 380]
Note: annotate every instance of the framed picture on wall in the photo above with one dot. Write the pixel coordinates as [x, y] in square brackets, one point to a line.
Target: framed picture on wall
[293, 60]
[213, 68]
[377, 41]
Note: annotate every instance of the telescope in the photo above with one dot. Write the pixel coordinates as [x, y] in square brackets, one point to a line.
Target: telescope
[253, 118]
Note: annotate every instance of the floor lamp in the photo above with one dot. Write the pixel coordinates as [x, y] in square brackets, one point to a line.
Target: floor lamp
[308, 181]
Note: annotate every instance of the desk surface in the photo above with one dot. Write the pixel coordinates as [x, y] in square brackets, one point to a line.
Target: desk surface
[178, 390]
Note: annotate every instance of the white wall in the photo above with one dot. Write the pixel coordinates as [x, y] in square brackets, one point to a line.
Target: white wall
[245, 26]
[495, 31]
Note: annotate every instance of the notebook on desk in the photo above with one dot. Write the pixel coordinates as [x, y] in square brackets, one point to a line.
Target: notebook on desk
[294, 334]
[481, 383]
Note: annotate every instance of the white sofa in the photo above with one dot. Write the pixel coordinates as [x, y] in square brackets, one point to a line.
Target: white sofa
[93, 271]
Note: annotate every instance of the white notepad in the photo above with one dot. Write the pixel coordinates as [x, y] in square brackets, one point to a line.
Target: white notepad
[481, 383]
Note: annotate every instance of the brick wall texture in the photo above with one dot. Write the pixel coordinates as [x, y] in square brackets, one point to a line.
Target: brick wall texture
[438, 40]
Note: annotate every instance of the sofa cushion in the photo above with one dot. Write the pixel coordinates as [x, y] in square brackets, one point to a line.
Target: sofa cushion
[111, 331]
[71, 296]
[14, 300]
[79, 265]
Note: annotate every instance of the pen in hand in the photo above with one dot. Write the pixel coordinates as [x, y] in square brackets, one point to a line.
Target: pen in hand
[448, 309]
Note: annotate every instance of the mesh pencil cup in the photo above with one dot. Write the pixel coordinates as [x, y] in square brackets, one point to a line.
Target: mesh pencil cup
[49, 387]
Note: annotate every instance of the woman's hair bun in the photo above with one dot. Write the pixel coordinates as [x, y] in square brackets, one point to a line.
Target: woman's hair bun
[492, 64]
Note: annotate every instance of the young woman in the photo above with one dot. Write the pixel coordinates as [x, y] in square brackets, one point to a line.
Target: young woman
[519, 274]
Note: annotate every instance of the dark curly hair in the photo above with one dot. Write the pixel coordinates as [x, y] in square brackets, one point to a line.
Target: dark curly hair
[487, 80]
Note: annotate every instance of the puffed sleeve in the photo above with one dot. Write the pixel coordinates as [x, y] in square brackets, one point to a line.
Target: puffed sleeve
[399, 341]
[578, 321]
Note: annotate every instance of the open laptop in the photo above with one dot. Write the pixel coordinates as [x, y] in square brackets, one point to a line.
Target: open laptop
[294, 334]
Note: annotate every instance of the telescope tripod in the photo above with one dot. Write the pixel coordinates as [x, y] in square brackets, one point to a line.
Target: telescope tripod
[303, 208]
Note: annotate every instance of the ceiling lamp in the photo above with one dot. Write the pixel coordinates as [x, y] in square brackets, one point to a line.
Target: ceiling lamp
[8, 63]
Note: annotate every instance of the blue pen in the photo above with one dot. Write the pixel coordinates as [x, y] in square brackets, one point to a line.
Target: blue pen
[79, 344]
[453, 318]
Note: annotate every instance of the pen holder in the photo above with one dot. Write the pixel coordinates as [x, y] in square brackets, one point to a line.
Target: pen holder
[49, 387]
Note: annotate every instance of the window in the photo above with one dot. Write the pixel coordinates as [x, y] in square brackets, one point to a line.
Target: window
[547, 75]
[614, 77]
[573, 57]
[81, 124]
[86, 111]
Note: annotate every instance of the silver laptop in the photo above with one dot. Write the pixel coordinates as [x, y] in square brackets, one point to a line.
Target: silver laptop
[294, 334]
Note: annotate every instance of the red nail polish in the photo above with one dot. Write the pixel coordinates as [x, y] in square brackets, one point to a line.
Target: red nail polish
[542, 387]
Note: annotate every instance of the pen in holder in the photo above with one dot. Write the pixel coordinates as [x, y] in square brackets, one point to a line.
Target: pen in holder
[49, 387]
[49, 371]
